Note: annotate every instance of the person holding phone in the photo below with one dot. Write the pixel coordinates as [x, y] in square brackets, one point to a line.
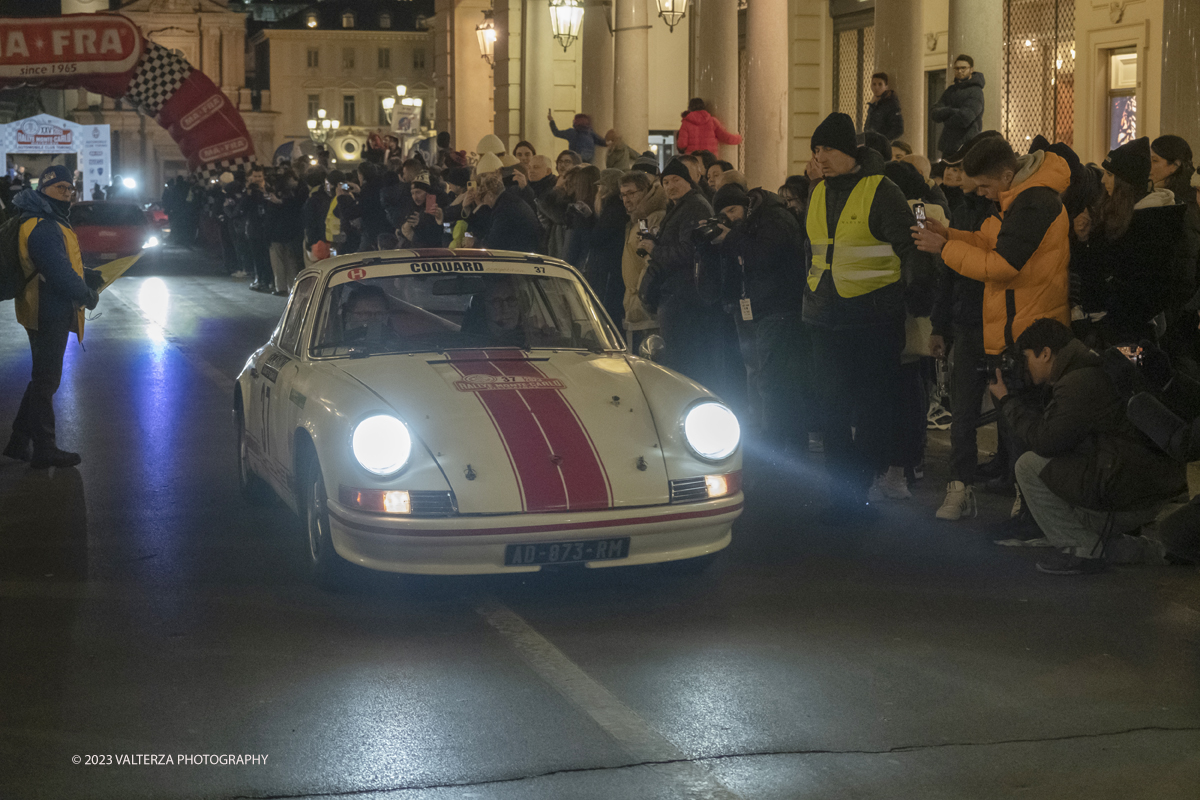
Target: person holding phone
[423, 228]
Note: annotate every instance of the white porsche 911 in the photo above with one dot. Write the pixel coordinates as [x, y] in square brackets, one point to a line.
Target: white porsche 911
[468, 412]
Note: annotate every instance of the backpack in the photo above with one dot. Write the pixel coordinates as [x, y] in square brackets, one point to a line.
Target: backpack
[12, 277]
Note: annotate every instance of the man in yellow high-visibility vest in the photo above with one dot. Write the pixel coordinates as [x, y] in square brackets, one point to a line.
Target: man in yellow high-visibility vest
[865, 271]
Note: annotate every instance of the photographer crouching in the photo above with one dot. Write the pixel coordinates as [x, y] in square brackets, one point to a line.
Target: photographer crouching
[1089, 475]
[761, 246]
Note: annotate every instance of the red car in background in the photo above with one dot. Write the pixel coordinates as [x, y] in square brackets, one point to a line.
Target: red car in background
[108, 230]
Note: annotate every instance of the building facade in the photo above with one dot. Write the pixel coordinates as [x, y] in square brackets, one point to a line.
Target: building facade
[1092, 73]
[346, 57]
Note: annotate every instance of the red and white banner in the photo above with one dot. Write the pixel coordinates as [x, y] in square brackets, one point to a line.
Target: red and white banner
[107, 54]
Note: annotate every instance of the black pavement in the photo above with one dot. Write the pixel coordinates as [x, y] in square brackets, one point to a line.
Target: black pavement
[147, 612]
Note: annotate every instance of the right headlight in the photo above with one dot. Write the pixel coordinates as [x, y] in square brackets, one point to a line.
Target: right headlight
[711, 430]
[381, 444]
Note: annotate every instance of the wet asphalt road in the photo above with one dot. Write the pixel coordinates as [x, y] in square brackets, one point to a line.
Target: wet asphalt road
[145, 609]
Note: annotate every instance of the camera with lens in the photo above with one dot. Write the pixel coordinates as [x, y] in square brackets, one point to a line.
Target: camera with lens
[1012, 369]
[709, 229]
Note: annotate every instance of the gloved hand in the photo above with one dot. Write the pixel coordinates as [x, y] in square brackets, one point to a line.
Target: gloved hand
[93, 278]
[93, 299]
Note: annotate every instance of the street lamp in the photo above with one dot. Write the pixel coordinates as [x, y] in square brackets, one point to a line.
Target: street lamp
[401, 90]
[486, 33]
[672, 12]
[566, 17]
[320, 128]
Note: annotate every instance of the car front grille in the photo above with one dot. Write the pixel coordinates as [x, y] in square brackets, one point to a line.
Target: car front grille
[689, 490]
[432, 504]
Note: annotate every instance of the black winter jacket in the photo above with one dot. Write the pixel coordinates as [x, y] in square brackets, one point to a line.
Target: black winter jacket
[513, 226]
[315, 209]
[1097, 459]
[1133, 278]
[890, 220]
[605, 250]
[672, 264]
[884, 117]
[770, 246]
[959, 300]
[960, 110]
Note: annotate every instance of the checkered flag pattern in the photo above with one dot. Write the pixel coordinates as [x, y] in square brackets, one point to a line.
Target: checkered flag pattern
[214, 170]
[157, 77]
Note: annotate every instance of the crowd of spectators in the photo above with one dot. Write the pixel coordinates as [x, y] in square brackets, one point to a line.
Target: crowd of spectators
[833, 311]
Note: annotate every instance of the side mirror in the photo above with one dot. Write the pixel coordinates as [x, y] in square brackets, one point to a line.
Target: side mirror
[652, 347]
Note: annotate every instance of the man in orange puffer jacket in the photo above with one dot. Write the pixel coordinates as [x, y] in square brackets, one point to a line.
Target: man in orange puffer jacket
[1022, 256]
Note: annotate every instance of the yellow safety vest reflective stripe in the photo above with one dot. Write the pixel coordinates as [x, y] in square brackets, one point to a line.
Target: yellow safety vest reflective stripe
[333, 223]
[861, 263]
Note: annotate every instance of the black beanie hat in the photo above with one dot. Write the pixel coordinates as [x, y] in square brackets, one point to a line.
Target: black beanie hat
[877, 142]
[730, 195]
[459, 176]
[677, 167]
[1131, 163]
[836, 131]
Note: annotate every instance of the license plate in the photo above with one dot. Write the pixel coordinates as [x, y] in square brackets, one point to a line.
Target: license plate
[565, 552]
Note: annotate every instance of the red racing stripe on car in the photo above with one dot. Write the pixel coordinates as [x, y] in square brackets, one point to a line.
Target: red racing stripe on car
[572, 448]
[542, 485]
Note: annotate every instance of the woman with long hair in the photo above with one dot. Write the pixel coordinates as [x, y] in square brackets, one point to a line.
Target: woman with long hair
[1128, 263]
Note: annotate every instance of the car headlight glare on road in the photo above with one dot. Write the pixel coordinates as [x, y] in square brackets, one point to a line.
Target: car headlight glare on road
[151, 242]
[711, 430]
[382, 444]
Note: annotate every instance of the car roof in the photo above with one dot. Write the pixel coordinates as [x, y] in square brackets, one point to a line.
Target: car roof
[325, 266]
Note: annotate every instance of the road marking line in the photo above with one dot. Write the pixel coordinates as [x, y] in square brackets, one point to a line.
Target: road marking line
[635, 735]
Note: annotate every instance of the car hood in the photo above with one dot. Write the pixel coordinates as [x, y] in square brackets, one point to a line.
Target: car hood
[517, 431]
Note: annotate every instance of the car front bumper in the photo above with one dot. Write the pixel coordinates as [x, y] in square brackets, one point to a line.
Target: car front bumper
[475, 545]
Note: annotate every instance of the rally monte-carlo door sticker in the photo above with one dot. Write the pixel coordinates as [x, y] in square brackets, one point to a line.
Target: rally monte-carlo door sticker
[551, 453]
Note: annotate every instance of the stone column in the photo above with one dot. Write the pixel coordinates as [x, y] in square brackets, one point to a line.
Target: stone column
[767, 57]
[899, 44]
[631, 57]
[714, 63]
[1181, 70]
[597, 88]
[507, 83]
[977, 29]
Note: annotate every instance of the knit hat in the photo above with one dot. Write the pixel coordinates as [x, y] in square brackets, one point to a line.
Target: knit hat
[421, 181]
[1131, 163]
[489, 162]
[677, 167]
[836, 131]
[646, 163]
[730, 195]
[921, 163]
[457, 176]
[226, 178]
[53, 174]
[509, 160]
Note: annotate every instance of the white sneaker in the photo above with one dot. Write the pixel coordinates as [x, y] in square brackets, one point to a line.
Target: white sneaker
[959, 502]
[890, 486]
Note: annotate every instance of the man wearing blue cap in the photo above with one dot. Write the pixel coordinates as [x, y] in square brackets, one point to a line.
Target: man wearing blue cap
[51, 307]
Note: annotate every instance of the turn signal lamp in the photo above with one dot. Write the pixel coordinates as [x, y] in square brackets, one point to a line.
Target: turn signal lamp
[378, 501]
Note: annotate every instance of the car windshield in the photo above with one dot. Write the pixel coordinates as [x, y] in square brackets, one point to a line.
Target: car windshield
[107, 214]
[405, 309]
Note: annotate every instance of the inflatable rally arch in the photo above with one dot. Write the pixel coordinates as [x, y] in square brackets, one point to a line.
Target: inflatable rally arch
[107, 54]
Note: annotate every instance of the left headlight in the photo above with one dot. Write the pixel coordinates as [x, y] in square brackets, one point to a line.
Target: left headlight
[151, 242]
[381, 444]
[711, 430]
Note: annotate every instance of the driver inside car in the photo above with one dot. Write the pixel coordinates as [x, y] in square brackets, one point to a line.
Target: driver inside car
[507, 323]
[365, 317]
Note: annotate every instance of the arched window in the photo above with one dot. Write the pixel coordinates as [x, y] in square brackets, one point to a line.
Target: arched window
[348, 19]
